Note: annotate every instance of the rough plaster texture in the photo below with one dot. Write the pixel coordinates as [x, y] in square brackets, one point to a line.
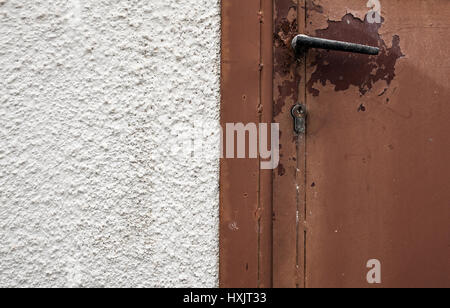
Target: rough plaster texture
[89, 194]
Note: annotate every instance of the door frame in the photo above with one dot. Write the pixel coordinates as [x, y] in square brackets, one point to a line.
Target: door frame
[262, 212]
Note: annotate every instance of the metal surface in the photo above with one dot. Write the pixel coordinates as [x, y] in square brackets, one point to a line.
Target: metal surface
[299, 114]
[245, 190]
[301, 43]
[370, 177]
[377, 167]
[289, 192]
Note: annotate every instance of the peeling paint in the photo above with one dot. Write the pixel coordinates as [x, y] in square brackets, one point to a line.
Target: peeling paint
[281, 170]
[345, 69]
[312, 6]
[286, 28]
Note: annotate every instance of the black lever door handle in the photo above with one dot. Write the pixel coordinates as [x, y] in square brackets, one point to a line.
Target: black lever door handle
[302, 42]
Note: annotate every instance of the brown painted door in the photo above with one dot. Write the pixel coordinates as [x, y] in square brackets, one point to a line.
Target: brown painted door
[377, 145]
[366, 190]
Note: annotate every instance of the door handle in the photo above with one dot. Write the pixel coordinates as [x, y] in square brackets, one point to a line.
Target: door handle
[302, 42]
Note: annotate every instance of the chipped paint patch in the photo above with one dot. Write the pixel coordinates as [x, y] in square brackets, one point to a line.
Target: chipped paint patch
[313, 6]
[344, 70]
[286, 76]
[281, 170]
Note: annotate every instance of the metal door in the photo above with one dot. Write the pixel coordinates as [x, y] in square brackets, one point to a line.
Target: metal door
[362, 199]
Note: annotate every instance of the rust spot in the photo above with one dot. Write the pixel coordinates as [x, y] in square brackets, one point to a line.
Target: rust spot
[258, 214]
[260, 109]
[285, 30]
[312, 6]
[286, 90]
[285, 62]
[281, 170]
[345, 69]
[261, 16]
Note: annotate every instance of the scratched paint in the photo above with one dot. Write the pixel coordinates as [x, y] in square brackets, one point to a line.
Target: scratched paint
[344, 70]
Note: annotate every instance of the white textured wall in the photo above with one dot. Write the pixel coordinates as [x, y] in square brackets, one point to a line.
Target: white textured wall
[89, 90]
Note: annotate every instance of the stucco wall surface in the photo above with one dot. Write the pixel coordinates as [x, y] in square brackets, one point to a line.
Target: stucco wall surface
[90, 94]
